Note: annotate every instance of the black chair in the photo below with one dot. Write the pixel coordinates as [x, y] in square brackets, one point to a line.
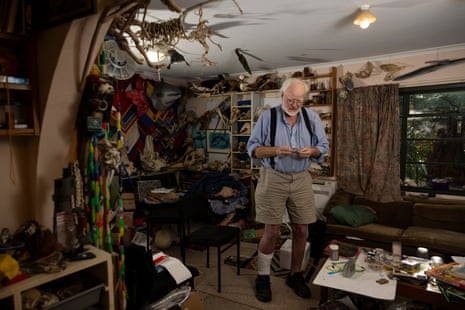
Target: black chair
[195, 207]
[155, 214]
[221, 237]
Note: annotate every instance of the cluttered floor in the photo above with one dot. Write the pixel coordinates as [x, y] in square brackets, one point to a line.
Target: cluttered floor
[238, 292]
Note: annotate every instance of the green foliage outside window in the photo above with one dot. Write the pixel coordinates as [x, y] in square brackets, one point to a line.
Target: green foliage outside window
[433, 139]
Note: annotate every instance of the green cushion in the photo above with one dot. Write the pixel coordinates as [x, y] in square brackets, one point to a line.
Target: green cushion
[353, 215]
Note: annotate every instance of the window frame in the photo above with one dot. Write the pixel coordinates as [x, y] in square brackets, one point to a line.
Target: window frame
[404, 105]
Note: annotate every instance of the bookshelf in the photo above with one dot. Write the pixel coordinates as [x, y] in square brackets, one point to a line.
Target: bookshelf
[18, 99]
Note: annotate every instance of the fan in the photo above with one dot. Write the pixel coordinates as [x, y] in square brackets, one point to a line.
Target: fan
[119, 65]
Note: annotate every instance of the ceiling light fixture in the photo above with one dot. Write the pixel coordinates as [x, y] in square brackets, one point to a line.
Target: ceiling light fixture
[156, 56]
[365, 18]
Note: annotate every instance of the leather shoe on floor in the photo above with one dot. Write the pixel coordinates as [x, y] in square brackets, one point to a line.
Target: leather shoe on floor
[263, 288]
[297, 283]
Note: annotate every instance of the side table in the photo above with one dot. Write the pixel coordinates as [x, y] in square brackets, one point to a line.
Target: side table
[366, 285]
[362, 283]
[420, 293]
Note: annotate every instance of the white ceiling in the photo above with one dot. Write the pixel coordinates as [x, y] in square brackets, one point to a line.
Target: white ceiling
[298, 33]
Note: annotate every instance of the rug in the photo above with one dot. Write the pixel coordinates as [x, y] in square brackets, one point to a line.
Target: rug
[250, 263]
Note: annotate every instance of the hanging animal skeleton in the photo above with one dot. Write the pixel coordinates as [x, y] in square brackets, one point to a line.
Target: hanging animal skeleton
[127, 30]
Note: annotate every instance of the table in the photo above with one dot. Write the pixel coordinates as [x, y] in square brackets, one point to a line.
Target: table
[418, 292]
[365, 284]
[362, 283]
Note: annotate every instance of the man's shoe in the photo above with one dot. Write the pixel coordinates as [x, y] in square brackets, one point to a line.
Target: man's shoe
[297, 283]
[263, 288]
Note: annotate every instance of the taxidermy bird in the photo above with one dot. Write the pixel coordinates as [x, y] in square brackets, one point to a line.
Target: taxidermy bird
[240, 55]
[175, 58]
[391, 69]
[164, 95]
[365, 72]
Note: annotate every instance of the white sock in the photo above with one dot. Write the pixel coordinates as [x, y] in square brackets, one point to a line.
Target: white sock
[264, 263]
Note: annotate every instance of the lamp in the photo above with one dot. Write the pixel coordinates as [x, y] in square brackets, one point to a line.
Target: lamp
[365, 18]
[156, 56]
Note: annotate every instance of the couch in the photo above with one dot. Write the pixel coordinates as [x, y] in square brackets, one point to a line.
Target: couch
[436, 224]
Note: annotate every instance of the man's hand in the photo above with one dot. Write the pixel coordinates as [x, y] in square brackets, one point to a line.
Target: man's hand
[308, 152]
[283, 151]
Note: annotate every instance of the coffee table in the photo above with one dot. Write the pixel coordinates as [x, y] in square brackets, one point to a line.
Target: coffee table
[361, 283]
[364, 283]
[419, 292]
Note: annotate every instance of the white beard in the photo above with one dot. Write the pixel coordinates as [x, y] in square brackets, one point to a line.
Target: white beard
[289, 113]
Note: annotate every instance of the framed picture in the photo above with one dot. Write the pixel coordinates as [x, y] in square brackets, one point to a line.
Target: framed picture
[48, 13]
[218, 141]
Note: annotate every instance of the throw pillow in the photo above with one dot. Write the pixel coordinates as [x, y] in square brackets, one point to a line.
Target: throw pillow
[353, 215]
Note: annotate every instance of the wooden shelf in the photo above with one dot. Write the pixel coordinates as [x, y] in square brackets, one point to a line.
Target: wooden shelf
[19, 49]
[14, 39]
[15, 87]
[328, 108]
[100, 267]
[17, 132]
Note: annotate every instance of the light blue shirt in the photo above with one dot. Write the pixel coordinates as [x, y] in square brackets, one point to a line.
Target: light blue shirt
[297, 136]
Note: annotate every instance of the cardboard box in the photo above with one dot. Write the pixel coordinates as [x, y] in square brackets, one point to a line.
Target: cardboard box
[285, 254]
[128, 201]
[193, 302]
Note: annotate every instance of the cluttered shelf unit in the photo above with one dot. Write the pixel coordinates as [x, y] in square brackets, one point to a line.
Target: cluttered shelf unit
[18, 99]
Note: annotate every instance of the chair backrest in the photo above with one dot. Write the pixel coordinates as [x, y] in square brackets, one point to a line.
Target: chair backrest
[195, 207]
[143, 189]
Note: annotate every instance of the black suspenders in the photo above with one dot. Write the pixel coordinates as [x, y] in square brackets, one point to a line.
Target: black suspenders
[273, 129]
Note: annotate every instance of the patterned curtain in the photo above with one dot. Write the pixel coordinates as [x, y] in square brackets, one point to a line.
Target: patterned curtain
[368, 142]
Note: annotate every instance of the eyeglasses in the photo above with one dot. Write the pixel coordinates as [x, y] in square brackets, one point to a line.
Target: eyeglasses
[293, 101]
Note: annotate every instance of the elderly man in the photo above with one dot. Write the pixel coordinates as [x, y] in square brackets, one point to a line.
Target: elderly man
[286, 141]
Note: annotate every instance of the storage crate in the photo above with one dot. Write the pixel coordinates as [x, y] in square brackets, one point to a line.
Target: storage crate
[82, 300]
[285, 255]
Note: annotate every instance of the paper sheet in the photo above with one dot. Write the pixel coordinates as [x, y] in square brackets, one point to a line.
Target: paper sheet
[177, 269]
[458, 259]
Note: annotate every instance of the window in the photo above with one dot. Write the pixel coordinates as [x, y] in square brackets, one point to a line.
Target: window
[433, 139]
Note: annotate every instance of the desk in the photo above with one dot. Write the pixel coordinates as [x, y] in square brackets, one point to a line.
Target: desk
[362, 283]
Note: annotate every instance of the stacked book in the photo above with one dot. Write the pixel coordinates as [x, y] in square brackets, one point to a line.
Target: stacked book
[451, 280]
[14, 80]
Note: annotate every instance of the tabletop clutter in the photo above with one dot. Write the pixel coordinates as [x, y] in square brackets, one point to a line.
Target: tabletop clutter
[376, 264]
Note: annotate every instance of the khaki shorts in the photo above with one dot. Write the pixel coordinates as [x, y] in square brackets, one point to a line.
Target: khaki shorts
[276, 190]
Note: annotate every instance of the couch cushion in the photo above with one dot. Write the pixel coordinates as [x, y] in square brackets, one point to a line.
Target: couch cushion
[340, 197]
[442, 216]
[353, 215]
[381, 233]
[442, 240]
[394, 213]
